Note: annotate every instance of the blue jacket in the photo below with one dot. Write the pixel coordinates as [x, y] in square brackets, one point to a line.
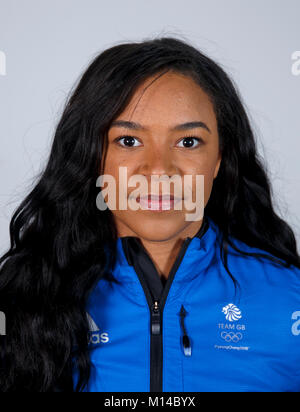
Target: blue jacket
[195, 334]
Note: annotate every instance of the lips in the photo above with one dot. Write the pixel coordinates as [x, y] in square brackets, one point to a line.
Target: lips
[157, 202]
[158, 198]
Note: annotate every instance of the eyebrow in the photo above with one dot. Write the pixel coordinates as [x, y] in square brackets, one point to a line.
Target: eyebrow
[179, 127]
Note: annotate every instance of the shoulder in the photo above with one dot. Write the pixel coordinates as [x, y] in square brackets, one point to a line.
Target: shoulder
[263, 267]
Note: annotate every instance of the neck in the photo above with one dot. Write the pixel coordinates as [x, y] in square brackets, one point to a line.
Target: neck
[164, 252]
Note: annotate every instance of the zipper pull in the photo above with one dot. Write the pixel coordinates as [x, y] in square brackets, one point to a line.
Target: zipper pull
[187, 349]
[155, 319]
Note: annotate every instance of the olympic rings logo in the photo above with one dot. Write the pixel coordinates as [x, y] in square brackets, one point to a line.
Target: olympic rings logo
[231, 336]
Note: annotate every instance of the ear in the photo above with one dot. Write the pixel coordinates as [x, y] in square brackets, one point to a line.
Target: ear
[218, 165]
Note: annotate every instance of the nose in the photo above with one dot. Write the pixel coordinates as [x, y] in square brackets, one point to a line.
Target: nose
[158, 161]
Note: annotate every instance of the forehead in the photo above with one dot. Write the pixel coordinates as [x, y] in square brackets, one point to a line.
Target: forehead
[170, 99]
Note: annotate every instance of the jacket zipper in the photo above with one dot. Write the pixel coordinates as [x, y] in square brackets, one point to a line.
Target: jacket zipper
[156, 307]
[156, 349]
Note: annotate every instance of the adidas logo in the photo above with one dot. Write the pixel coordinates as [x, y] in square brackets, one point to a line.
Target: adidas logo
[95, 337]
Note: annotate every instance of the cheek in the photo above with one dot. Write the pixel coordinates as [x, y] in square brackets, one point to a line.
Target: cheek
[114, 160]
[112, 168]
[207, 169]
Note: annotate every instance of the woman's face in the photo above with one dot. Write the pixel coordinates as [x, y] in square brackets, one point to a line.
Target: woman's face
[159, 149]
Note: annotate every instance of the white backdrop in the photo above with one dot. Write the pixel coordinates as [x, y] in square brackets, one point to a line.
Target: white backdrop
[45, 46]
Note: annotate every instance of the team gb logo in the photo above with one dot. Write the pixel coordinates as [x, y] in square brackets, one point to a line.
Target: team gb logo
[232, 312]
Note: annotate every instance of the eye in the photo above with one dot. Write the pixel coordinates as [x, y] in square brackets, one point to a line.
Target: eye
[127, 140]
[189, 142]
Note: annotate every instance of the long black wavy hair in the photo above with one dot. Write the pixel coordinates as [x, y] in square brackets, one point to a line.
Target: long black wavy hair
[57, 234]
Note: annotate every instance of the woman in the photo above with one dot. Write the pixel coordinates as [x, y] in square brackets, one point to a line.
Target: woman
[167, 303]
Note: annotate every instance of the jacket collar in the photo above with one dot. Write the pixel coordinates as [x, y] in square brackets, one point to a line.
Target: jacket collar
[132, 245]
[197, 257]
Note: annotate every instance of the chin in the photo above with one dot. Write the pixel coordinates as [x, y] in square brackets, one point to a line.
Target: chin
[157, 229]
